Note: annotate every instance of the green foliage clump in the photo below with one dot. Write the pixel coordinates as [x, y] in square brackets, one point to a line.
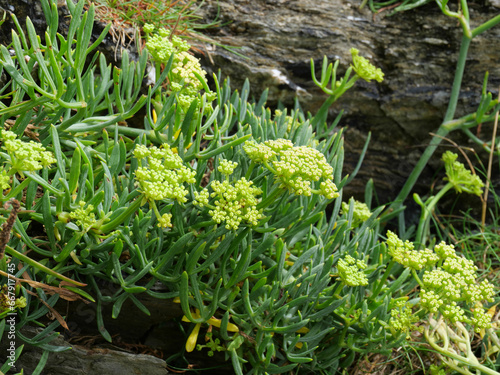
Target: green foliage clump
[221, 202]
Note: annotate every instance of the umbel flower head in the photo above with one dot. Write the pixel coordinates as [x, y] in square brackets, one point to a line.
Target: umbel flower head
[4, 179]
[161, 46]
[183, 69]
[161, 174]
[84, 217]
[404, 253]
[298, 169]
[403, 319]
[461, 178]
[235, 202]
[364, 68]
[449, 283]
[6, 301]
[182, 77]
[361, 212]
[25, 156]
[351, 271]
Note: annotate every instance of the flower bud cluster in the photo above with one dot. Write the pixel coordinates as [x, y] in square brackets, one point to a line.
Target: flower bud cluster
[161, 46]
[351, 271]
[227, 167]
[404, 253]
[165, 221]
[163, 175]
[182, 72]
[182, 78]
[364, 68]
[6, 301]
[4, 179]
[234, 202]
[258, 152]
[402, 318]
[296, 168]
[24, 156]
[361, 212]
[461, 178]
[480, 318]
[448, 283]
[84, 217]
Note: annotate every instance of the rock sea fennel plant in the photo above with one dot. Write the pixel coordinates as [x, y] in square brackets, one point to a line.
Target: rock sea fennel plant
[189, 202]
[215, 203]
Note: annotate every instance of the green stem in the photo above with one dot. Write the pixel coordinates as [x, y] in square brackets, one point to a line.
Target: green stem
[440, 134]
[269, 167]
[415, 276]
[338, 289]
[155, 209]
[135, 132]
[427, 209]
[457, 83]
[458, 358]
[250, 170]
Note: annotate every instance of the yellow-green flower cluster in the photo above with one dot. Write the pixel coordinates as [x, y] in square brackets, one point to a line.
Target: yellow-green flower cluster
[182, 74]
[461, 178]
[25, 156]
[361, 212]
[402, 318]
[182, 78]
[161, 173]
[296, 168]
[480, 318]
[234, 202]
[201, 198]
[258, 152]
[449, 281]
[165, 221]
[4, 179]
[364, 68]
[351, 271]
[227, 167]
[161, 46]
[404, 254]
[84, 217]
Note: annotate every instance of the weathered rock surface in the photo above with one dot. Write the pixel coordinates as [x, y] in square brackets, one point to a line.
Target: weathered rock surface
[417, 50]
[82, 361]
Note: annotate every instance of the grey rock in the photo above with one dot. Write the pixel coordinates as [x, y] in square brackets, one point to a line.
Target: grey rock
[417, 50]
[80, 360]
